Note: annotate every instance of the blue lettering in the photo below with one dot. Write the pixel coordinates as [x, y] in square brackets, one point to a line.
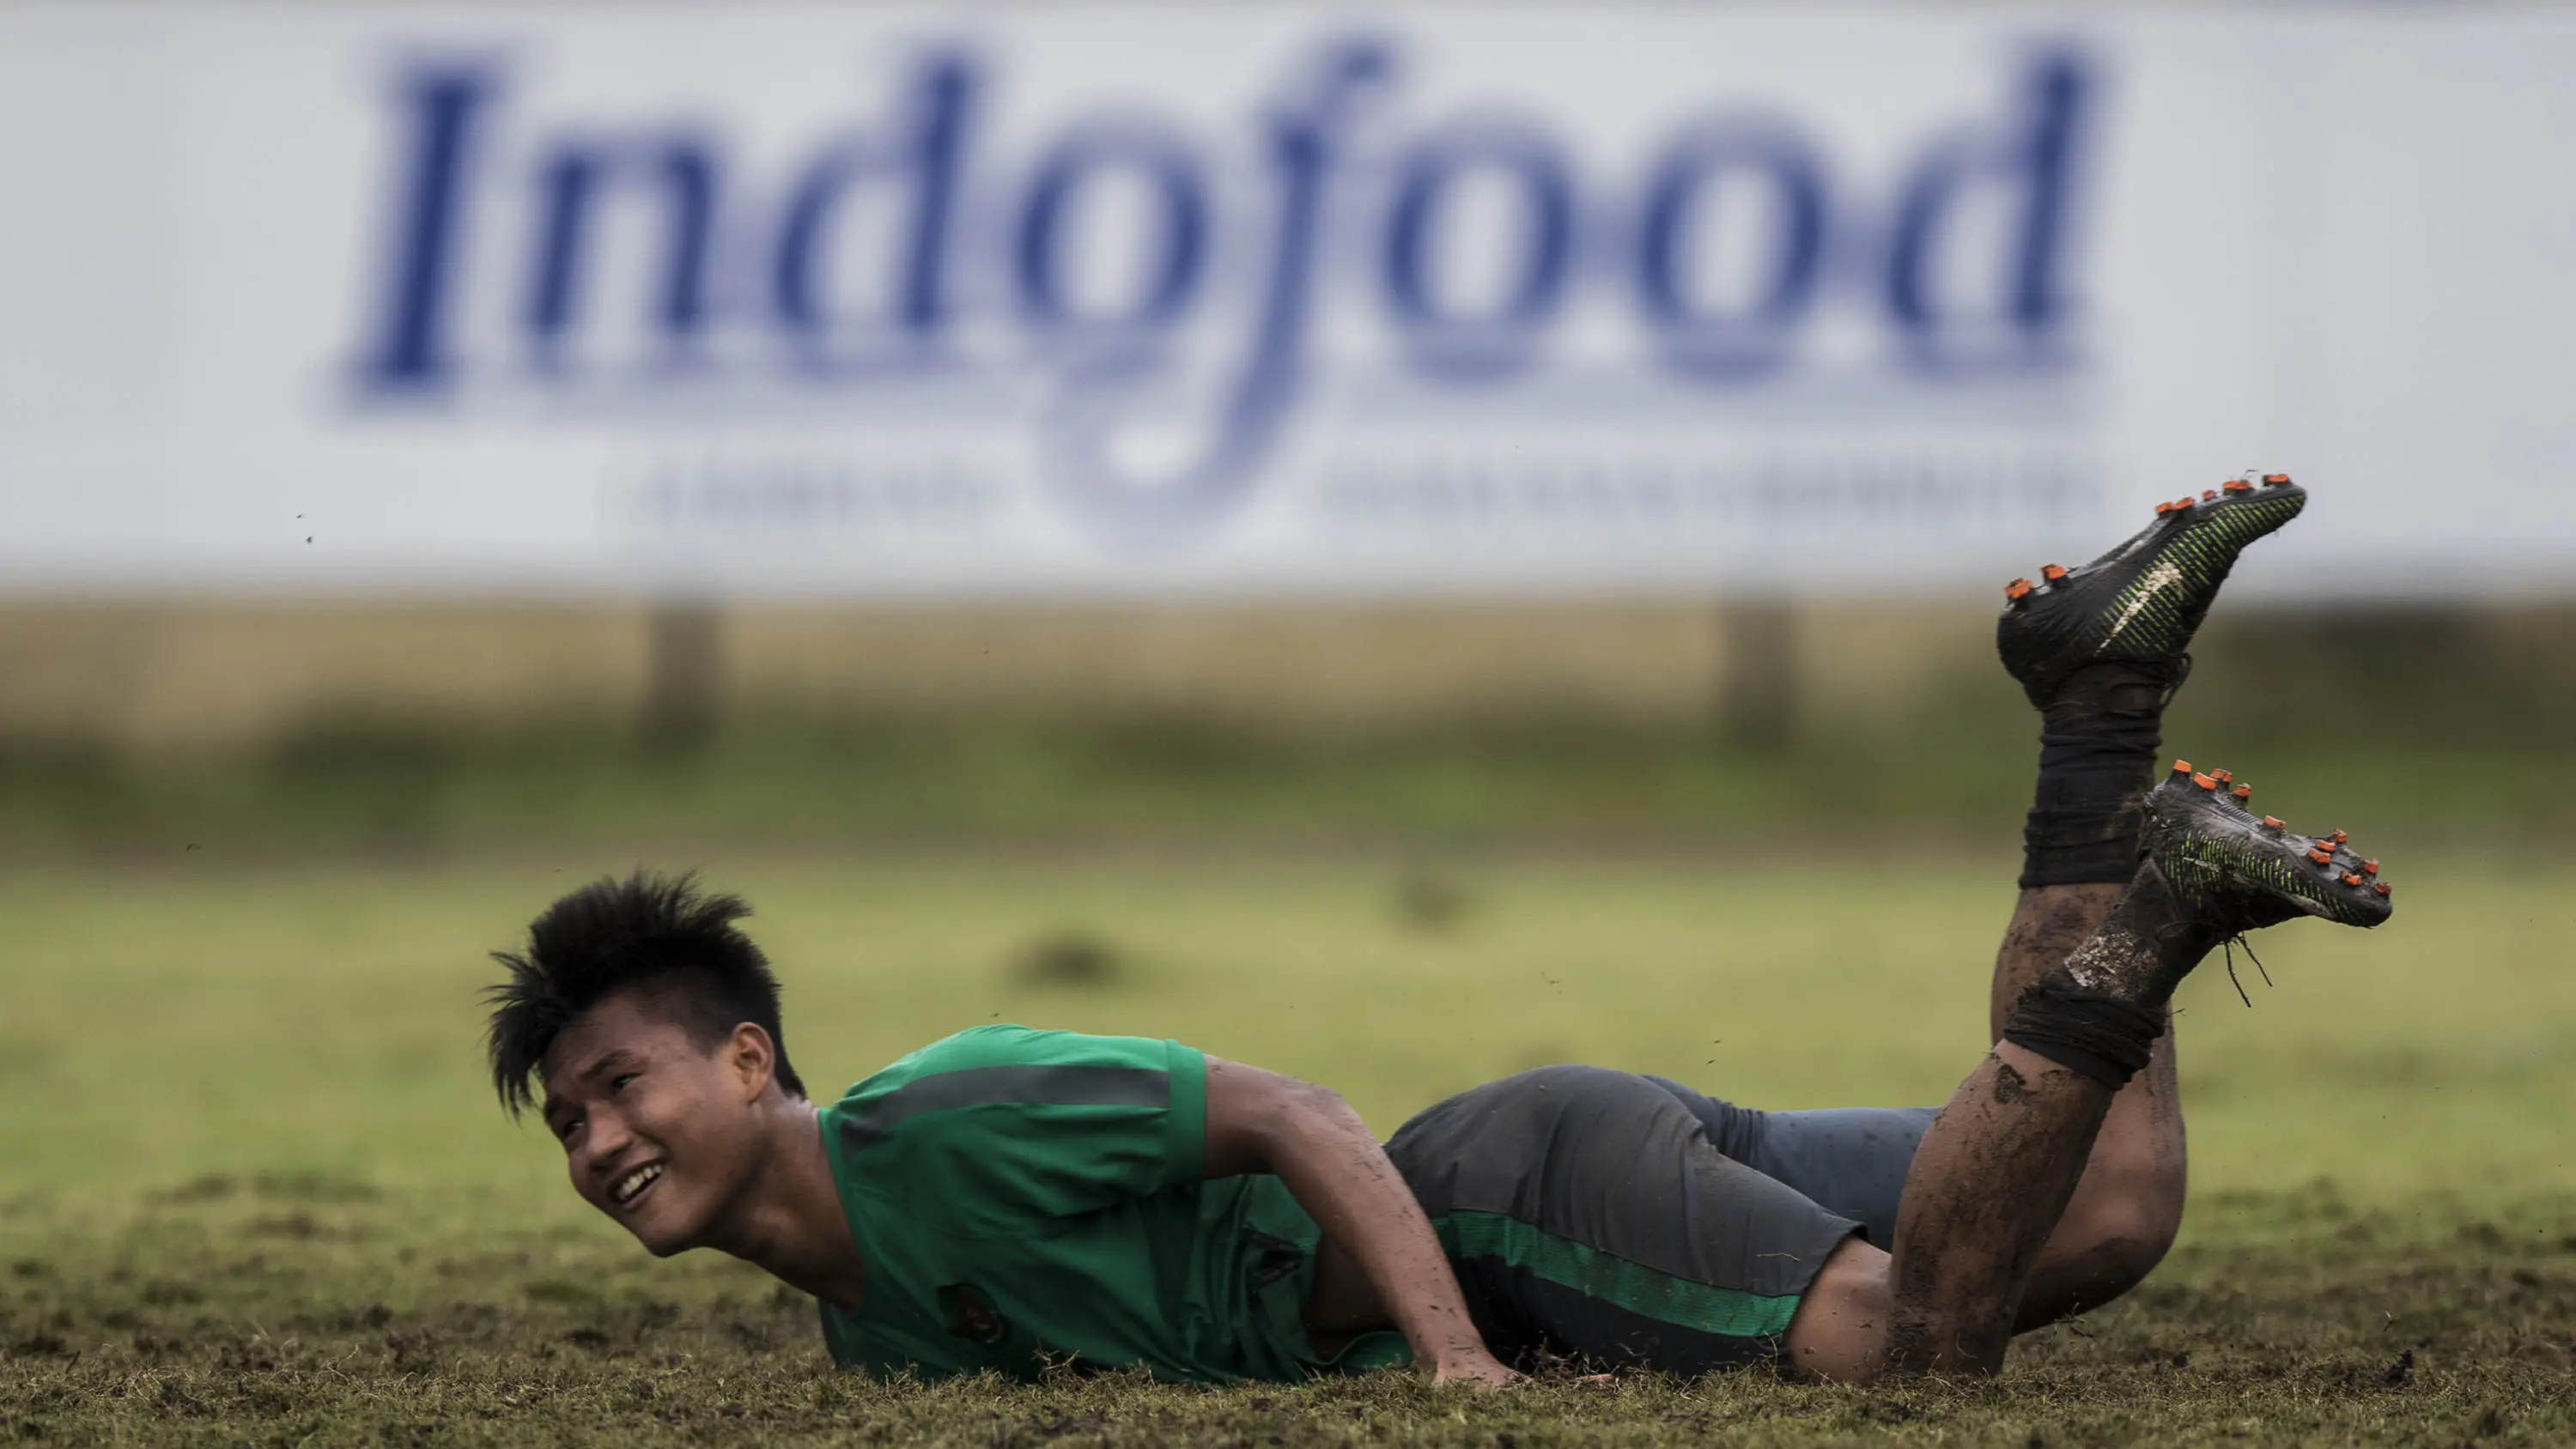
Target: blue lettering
[925, 153]
[410, 350]
[742, 263]
[569, 180]
[2037, 159]
[1302, 136]
[1500, 343]
[1691, 337]
[1170, 278]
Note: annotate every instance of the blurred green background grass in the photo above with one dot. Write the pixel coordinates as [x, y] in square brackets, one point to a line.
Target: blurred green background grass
[414, 735]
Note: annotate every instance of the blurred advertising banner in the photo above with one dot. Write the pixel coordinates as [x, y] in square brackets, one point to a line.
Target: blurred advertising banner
[961, 303]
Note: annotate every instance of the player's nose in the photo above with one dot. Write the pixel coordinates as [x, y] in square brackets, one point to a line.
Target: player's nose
[604, 1145]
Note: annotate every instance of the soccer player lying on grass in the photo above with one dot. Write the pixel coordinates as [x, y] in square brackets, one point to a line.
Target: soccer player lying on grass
[1008, 1198]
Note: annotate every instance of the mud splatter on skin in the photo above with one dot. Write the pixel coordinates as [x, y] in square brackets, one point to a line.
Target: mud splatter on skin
[2146, 946]
[2048, 923]
[2009, 1086]
[1965, 1248]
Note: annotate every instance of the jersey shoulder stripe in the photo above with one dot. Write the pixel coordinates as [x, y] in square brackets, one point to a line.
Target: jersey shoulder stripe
[869, 1123]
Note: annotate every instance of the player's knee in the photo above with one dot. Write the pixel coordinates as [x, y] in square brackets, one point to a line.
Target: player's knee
[2131, 1246]
[2128, 1208]
[2141, 1214]
[2108, 1250]
[1840, 1331]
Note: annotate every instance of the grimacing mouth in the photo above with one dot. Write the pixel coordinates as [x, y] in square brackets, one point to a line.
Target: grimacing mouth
[631, 1183]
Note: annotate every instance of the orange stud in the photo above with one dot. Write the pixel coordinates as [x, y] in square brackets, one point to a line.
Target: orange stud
[2204, 782]
[2182, 767]
[2209, 495]
[2272, 822]
[2237, 485]
[2276, 479]
[2163, 508]
[2380, 886]
[2183, 503]
[2321, 855]
[2340, 837]
[2243, 792]
[2370, 867]
[2052, 572]
[2352, 877]
[2222, 776]
[2017, 590]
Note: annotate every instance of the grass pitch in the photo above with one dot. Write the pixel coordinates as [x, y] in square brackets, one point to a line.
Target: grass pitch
[253, 1186]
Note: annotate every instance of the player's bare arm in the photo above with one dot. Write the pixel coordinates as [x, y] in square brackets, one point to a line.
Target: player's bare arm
[1379, 1263]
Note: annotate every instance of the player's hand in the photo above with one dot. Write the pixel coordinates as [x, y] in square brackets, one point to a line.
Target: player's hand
[1477, 1369]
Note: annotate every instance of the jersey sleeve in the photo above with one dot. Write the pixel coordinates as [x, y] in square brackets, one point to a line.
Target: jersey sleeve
[1003, 1128]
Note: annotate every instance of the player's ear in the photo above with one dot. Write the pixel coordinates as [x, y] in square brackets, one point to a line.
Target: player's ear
[753, 1059]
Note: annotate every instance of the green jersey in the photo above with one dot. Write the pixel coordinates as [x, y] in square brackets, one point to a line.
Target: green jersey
[1028, 1197]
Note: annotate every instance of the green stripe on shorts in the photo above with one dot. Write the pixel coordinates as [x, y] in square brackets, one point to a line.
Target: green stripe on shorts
[1729, 1312]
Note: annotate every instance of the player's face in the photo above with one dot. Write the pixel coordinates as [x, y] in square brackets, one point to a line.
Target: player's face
[652, 1126]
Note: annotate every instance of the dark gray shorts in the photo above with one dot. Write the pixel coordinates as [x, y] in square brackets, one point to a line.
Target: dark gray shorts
[1592, 1213]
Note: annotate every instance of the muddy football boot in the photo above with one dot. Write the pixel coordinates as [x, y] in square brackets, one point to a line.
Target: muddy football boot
[2141, 602]
[2239, 872]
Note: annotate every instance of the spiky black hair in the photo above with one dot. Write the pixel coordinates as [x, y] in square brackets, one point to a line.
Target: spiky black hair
[652, 931]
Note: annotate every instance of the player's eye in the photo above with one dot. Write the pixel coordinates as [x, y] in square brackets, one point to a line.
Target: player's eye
[619, 1085]
[565, 1128]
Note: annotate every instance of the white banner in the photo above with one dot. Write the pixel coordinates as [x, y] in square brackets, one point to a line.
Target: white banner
[778, 300]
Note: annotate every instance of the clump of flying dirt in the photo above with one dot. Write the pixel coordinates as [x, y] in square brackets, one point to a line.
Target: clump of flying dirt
[1073, 960]
[1429, 902]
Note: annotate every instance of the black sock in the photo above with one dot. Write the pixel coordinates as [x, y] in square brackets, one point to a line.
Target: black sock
[2094, 1034]
[2097, 753]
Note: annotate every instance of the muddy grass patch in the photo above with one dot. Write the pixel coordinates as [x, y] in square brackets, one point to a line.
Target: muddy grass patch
[195, 1320]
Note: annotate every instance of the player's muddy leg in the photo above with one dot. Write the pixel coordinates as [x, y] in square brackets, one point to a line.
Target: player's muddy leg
[2127, 1206]
[2096, 1157]
[2080, 847]
[2097, 749]
[1997, 1170]
[1988, 1186]
[2098, 742]
[2100, 650]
